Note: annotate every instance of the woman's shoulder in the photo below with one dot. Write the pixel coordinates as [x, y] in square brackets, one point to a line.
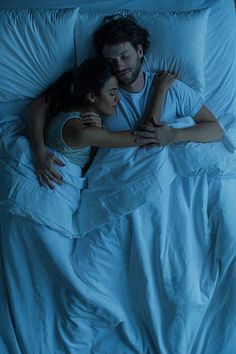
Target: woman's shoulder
[70, 114]
[65, 117]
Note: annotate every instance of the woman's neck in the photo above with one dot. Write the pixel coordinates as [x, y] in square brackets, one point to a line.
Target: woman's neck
[82, 108]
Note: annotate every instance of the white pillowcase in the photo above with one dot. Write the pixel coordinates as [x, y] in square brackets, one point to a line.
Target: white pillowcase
[177, 41]
[36, 46]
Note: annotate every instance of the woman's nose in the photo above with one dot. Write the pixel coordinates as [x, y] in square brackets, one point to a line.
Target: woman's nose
[117, 98]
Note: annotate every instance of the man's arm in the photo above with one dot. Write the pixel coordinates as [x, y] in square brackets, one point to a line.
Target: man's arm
[44, 159]
[37, 120]
[206, 130]
[162, 82]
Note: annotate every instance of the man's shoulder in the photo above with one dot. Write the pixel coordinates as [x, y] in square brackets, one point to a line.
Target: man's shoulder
[180, 88]
[177, 85]
[149, 75]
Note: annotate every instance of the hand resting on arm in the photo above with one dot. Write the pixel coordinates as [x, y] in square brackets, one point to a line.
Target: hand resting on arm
[207, 129]
[44, 159]
[85, 131]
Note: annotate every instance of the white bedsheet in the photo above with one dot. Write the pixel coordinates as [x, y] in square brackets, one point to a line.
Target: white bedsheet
[160, 278]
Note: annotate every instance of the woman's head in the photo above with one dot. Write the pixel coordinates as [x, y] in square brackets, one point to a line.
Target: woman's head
[92, 86]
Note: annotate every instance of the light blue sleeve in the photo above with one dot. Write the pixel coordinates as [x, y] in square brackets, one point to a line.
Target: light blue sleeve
[188, 102]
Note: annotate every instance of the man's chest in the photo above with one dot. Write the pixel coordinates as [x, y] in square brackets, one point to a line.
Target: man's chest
[132, 110]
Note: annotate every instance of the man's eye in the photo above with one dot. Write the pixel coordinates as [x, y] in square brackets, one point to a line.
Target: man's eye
[124, 57]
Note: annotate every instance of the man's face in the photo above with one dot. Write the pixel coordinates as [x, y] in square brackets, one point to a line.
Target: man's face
[126, 61]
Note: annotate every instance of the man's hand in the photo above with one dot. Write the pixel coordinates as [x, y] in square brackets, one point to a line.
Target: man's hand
[164, 80]
[161, 134]
[44, 161]
[90, 119]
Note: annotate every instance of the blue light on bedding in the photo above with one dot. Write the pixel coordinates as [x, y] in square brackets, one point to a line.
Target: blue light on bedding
[32, 60]
[129, 177]
[161, 5]
[166, 30]
[155, 270]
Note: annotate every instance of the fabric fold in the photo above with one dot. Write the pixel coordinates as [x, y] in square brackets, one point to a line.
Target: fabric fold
[119, 181]
[20, 193]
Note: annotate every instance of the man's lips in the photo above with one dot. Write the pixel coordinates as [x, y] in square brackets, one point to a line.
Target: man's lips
[123, 73]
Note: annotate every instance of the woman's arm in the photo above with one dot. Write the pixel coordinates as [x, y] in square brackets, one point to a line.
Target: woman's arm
[75, 137]
[44, 159]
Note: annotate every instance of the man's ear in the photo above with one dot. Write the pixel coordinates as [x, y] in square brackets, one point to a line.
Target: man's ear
[90, 97]
[140, 51]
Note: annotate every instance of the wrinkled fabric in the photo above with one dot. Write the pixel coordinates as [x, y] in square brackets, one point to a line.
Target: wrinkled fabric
[129, 177]
[159, 279]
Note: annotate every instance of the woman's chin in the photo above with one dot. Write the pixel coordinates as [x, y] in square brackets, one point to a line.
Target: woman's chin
[109, 113]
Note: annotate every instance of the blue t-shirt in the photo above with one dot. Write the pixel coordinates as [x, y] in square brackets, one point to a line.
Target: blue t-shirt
[180, 101]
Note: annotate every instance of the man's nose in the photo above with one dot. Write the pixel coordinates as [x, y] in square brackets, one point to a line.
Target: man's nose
[119, 65]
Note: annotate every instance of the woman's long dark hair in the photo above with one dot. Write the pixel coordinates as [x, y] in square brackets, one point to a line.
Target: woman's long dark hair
[72, 87]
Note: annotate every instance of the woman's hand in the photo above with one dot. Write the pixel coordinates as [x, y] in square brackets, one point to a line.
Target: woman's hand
[90, 119]
[44, 161]
[164, 80]
[161, 134]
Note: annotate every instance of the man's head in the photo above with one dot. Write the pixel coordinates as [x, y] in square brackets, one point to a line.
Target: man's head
[123, 43]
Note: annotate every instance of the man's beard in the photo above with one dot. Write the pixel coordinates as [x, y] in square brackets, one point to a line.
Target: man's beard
[134, 74]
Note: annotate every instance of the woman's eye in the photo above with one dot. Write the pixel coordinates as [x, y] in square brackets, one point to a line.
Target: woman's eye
[110, 61]
[113, 92]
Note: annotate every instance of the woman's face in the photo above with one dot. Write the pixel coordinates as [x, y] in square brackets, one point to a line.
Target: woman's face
[107, 101]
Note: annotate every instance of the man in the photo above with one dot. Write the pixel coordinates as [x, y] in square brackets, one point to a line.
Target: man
[124, 43]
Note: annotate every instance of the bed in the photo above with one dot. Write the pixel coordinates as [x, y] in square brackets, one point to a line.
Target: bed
[143, 259]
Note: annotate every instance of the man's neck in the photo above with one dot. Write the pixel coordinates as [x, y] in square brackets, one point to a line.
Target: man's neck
[136, 86]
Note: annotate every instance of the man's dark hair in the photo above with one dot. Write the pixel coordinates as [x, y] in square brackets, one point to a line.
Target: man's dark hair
[118, 29]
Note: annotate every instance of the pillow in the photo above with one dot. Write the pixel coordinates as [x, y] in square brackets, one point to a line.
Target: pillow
[151, 5]
[36, 46]
[177, 41]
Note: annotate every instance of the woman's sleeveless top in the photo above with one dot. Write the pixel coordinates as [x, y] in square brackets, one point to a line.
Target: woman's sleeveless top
[54, 139]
